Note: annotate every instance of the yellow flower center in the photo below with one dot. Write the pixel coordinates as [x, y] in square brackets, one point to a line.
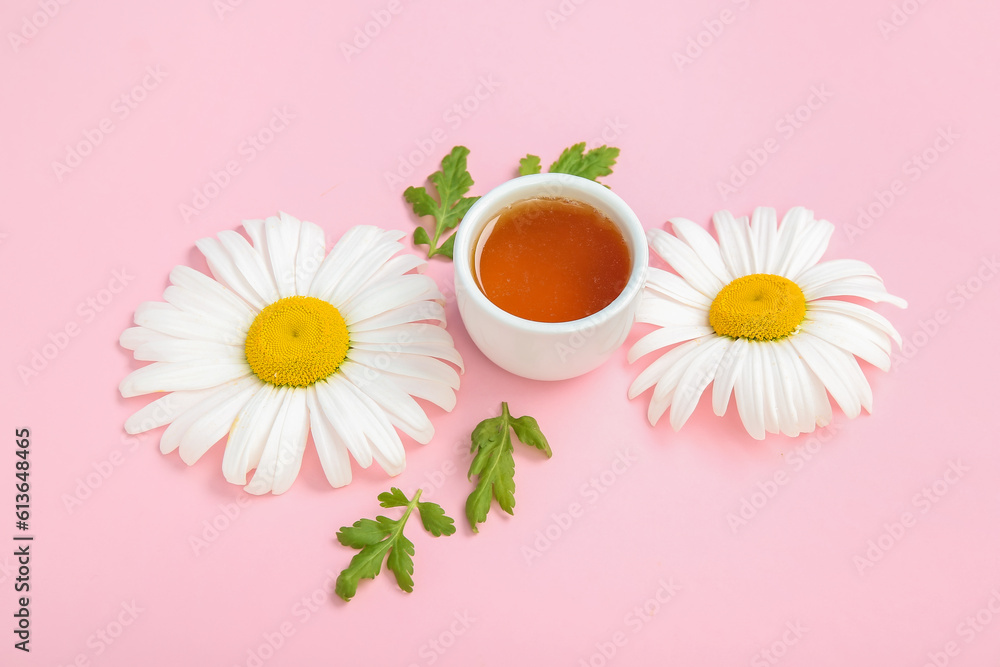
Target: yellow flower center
[758, 307]
[297, 341]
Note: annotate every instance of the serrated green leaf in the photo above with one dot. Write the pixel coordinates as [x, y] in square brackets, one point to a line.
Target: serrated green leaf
[393, 498]
[530, 164]
[463, 206]
[477, 505]
[435, 521]
[591, 164]
[447, 248]
[383, 537]
[423, 204]
[451, 183]
[420, 237]
[366, 564]
[493, 462]
[400, 562]
[362, 533]
[527, 431]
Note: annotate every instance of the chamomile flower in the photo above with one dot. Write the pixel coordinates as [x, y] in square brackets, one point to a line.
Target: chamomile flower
[757, 314]
[288, 340]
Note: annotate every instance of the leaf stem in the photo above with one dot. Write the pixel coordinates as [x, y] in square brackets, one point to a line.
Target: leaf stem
[406, 515]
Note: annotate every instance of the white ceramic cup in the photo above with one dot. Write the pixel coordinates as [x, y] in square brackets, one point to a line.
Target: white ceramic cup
[548, 350]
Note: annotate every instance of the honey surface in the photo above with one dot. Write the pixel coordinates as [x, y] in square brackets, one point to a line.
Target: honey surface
[553, 260]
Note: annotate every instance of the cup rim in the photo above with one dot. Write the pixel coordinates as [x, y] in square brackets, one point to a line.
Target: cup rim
[614, 207]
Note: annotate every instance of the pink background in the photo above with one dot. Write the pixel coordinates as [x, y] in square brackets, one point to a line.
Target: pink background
[524, 82]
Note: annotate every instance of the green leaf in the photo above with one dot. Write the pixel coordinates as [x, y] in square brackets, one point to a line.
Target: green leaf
[420, 237]
[381, 539]
[401, 563]
[446, 248]
[423, 203]
[451, 184]
[363, 533]
[393, 498]
[435, 521]
[590, 164]
[527, 431]
[530, 164]
[493, 462]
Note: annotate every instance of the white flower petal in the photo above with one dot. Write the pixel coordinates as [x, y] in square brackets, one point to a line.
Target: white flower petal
[704, 363]
[749, 402]
[820, 399]
[225, 270]
[415, 312]
[282, 457]
[401, 334]
[387, 449]
[333, 454]
[390, 294]
[172, 436]
[664, 337]
[255, 230]
[438, 351]
[135, 337]
[250, 264]
[769, 395]
[282, 235]
[850, 335]
[165, 409]
[857, 378]
[250, 432]
[355, 242]
[177, 349]
[258, 238]
[666, 387]
[204, 305]
[424, 368]
[831, 270]
[213, 425]
[825, 361]
[401, 410]
[656, 370]
[863, 287]
[673, 286]
[398, 266]
[703, 245]
[654, 309]
[734, 243]
[787, 391]
[864, 315]
[437, 393]
[792, 225]
[312, 251]
[163, 376]
[166, 319]
[728, 371]
[353, 261]
[337, 405]
[685, 261]
[808, 407]
[196, 281]
[422, 338]
[764, 235]
[361, 271]
[813, 241]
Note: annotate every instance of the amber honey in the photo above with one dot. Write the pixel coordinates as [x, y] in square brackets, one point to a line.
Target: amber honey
[551, 260]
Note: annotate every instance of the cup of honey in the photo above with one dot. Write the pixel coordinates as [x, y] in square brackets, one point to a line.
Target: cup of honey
[549, 270]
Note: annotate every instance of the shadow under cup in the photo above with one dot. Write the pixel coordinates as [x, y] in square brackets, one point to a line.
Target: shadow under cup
[548, 350]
